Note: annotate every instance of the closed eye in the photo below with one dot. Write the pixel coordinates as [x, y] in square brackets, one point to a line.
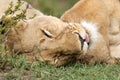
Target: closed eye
[47, 34]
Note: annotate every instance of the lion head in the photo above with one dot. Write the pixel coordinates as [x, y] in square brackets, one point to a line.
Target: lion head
[48, 39]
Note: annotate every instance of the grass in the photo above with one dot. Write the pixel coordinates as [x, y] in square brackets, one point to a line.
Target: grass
[43, 71]
[17, 68]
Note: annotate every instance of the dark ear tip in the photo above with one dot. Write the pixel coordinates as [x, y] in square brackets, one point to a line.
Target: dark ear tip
[2, 25]
[0, 21]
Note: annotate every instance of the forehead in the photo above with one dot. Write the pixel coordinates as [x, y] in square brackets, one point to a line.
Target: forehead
[49, 23]
[54, 25]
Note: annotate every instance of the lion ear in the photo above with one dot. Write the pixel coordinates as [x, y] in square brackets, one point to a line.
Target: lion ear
[20, 26]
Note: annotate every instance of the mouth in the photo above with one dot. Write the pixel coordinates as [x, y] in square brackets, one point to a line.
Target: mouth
[83, 40]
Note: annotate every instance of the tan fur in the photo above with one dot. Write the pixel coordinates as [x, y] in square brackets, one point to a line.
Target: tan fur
[114, 28]
[44, 38]
[106, 15]
[60, 47]
[4, 4]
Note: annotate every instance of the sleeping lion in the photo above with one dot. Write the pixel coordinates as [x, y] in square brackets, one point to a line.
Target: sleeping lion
[48, 39]
[45, 38]
[101, 20]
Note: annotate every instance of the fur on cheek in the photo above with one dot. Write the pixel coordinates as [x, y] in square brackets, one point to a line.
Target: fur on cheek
[92, 30]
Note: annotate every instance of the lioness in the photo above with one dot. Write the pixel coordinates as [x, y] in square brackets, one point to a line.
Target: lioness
[49, 39]
[45, 38]
[100, 18]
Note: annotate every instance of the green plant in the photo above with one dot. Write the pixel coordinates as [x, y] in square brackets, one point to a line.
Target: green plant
[9, 20]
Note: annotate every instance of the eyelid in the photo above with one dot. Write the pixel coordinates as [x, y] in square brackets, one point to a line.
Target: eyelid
[47, 33]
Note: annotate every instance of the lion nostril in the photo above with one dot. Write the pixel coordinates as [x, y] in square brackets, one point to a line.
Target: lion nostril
[84, 40]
